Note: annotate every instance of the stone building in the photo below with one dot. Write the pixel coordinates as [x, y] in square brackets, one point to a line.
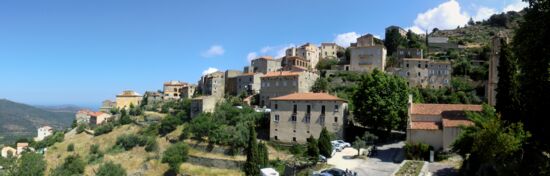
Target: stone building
[409, 53]
[43, 132]
[401, 31]
[153, 97]
[295, 63]
[263, 65]
[494, 59]
[172, 90]
[213, 84]
[107, 105]
[437, 125]
[127, 98]
[275, 84]
[366, 55]
[91, 118]
[231, 81]
[308, 51]
[329, 51]
[297, 116]
[425, 73]
[203, 104]
[249, 83]
[188, 91]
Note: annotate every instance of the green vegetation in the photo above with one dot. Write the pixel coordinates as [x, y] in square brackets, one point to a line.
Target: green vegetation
[95, 154]
[324, 145]
[73, 165]
[508, 85]
[30, 164]
[111, 169]
[320, 85]
[380, 101]
[175, 155]
[394, 40]
[312, 150]
[491, 146]
[130, 141]
[58, 136]
[103, 129]
[365, 141]
[70, 147]
[169, 124]
[251, 166]
[263, 155]
[416, 151]
[410, 168]
[326, 64]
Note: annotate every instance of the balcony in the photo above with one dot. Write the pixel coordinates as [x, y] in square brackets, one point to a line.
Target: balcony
[293, 117]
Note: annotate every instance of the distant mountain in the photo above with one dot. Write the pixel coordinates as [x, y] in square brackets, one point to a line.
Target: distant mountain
[61, 108]
[19, 120]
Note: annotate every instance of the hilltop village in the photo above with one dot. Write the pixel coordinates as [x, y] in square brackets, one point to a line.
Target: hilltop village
[396, 106]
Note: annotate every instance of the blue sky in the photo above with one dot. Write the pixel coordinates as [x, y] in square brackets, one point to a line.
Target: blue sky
[82, 52]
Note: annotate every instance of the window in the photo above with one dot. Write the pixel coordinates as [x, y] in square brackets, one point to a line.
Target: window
[408, 74]
[418, 73]
[294, 139]
[293, 118]
[426, 66]
[323, 110]
[335, 119]
[322, 119]
[407, 65]
[276, 106]
[276, 118]
[276, 138]
[336, 108]
[175, 89]
[419, 66]
[294, 109]
[308, 109]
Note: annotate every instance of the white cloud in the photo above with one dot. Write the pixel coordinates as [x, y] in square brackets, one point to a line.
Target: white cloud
[518, 5]
[266, 49]
[209, 70]
[484, 13]
[415, 29]
[445, 16]
[346, 38]
[215, 50]
[251, 56]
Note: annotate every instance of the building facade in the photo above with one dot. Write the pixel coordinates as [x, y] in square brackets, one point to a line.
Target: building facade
[203, 104]
[366, 55]
[107, 105]
[329, 51]
[88, 117]
[295, 117]
[172, 90]
[231, 81]
[213, 84]
[128, 98]
[425, 73]
[409, 53]
[494, 58]
[275, 84]
[437, 125]
[295, 63]
[188, 91]
[43, 132]
[263, 65]
[249, 83]
[308, 51]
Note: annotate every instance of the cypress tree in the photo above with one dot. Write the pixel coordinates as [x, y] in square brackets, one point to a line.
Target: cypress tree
[312, 149]
[325, 148]
[507, 89]
[251, 166]
[263, 155]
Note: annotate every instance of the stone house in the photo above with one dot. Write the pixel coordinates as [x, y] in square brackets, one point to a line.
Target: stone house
[437, 125]
[425, 73]
[213, 84]
[275, 84]
[127, 98]
[231, 81]
[263, 65]
[249, 83]
[153, 97]
[203, 104]
[172, 90]
[91, 118]
[295, 63]
[401, 31]
[107, 105]
[43, 132]
[295, 117]
[308, 51]
[329, 51]
[409, 53]
[366, 55]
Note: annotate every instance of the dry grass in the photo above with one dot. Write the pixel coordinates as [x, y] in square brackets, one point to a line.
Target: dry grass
[204, 171]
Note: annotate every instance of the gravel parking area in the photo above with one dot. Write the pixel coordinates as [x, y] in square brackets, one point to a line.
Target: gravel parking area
[382, 164]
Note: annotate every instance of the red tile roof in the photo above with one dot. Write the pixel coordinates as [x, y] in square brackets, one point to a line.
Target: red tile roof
[425, 125]
[308, 96]
[280, 73]
[456, 122]
[438, 109]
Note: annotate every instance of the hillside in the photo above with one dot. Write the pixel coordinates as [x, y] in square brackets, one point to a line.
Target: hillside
[19, 120]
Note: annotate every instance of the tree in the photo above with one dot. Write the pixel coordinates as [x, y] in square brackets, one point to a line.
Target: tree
[490, 146]
[471, 22]
[175, 155]
[325, 147]
[73, 165]
[326, 63]
[312, 149]
[320, 85]
[507, 97]
[413, 40]
[111, 169]
[169, 124]
[70, 147]
[251, 166]
[30, 164]
[263, 155]
[380, 101]
[358, 144]
[393, 40]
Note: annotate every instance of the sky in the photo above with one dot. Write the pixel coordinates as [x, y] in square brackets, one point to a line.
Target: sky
[82, 52]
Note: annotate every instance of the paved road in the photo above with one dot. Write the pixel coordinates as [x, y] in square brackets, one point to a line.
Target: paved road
[380, 165]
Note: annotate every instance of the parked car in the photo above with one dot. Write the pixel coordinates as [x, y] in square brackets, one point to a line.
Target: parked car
[322, 159]
[342, 143]
[335, 172]
[337, 147]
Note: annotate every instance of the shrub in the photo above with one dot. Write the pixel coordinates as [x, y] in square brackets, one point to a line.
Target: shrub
[150, 144]
[418, 151]
[50, 140]
[70, 147]
[169, 124]
[73, 165]
[111, 169]
[175, 155]
[95, 153]
[103, 129]
[130, 141]
[80, 128]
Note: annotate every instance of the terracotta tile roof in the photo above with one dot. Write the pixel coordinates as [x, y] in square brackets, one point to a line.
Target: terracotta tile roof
[425, 125]
[438, 109]
[281, 73]
[456, 122]
[308, 96]
[22, 144]
[90, 113]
